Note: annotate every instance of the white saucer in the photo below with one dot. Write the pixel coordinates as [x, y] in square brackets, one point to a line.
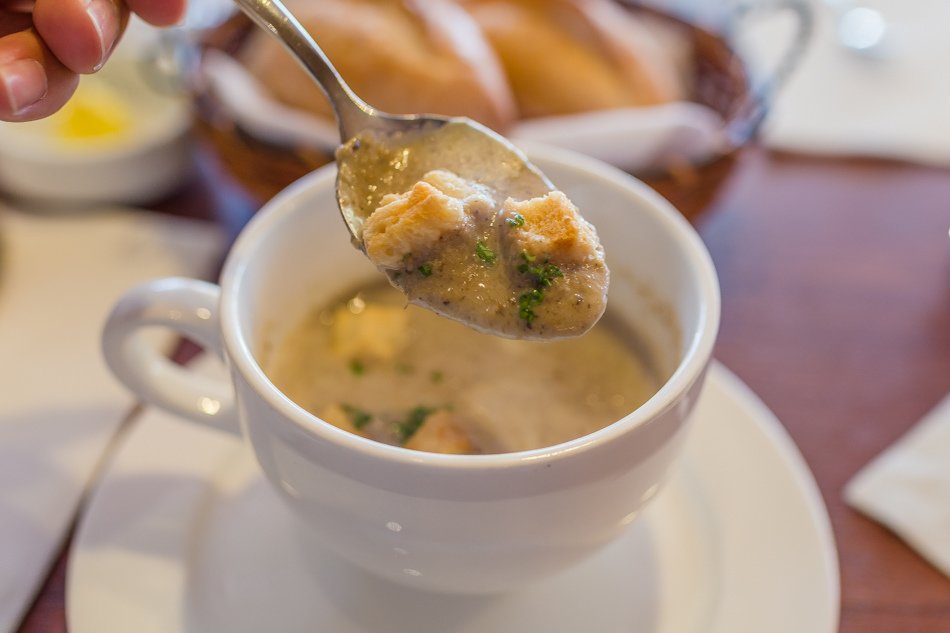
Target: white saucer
[184, 536]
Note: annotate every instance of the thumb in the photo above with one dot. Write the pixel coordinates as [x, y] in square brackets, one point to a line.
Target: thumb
[33, 82]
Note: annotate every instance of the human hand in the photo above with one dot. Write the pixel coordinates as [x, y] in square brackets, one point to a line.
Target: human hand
[46, 44]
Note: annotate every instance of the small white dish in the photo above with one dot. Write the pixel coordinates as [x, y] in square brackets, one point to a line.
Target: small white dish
[119, 140]
[183, 535]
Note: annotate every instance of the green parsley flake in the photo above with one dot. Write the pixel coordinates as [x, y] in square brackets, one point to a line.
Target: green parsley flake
[437, 376]
[358, 417]
[484, 253]
[544, 275]
[407, 428]
[426, 269]
[515, 220]
[527, 302]
[357, 367]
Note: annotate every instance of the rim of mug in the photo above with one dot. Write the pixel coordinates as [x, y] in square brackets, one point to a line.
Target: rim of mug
[695, 358]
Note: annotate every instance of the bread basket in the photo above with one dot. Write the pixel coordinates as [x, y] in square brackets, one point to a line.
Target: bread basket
[721, 81]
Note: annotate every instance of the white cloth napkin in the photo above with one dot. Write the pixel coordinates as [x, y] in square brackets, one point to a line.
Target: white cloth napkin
[59, 405]
[838, 102]
[633, 139]
[907, 487]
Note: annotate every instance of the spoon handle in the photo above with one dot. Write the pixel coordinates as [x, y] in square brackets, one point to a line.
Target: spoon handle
[352, 113]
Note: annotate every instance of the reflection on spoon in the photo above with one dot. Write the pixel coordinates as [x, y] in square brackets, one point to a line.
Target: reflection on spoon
[541, 277]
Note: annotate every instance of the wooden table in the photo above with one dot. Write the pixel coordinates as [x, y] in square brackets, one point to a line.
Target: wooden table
[836, 311]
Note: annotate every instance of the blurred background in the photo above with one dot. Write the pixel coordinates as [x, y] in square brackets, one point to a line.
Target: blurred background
[808, 141]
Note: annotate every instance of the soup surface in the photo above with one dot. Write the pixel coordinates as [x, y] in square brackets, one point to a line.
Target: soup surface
[401, 374]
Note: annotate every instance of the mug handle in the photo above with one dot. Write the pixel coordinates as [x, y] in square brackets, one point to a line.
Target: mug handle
[190, 308]
[750, 114]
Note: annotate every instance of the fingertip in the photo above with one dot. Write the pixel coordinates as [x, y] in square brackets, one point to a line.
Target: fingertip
[28, 94]
[23, 84]
[81, 33]
[34, 83]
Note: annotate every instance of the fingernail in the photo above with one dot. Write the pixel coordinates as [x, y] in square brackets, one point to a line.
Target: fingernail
[105, 18]
[24, 83]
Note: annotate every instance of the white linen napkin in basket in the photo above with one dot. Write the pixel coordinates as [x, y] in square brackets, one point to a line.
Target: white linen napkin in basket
[632, 139]
[838, 102]
[907, 487]
[59, 405]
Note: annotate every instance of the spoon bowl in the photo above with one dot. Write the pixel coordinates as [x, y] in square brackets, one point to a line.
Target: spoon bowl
[399, 156]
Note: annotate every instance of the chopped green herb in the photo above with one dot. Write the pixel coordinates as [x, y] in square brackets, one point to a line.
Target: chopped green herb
[405, 429]
[527, 302]
[358, 417]
[357, 367]
[437, 376]
[484, 253]
[515, 220]
[544, 275]
[426, 269]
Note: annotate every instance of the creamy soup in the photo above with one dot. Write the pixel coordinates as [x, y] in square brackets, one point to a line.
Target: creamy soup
[401, 374]
[498, 258]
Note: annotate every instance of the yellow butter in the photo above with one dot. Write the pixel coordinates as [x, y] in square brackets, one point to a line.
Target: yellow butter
[95, 112]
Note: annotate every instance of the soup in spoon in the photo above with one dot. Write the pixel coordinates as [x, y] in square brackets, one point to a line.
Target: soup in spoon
[500, 256]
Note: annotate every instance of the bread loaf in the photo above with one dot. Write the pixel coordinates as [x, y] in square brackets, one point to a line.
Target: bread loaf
[569, 56]
[402, 56]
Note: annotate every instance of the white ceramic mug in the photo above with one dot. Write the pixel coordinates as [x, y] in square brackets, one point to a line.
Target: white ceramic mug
[456, 523]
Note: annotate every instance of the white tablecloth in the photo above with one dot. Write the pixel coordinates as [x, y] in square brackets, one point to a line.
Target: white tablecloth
[59, 405]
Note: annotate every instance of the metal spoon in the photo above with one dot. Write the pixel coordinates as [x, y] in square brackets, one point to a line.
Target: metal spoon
[404, 147]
